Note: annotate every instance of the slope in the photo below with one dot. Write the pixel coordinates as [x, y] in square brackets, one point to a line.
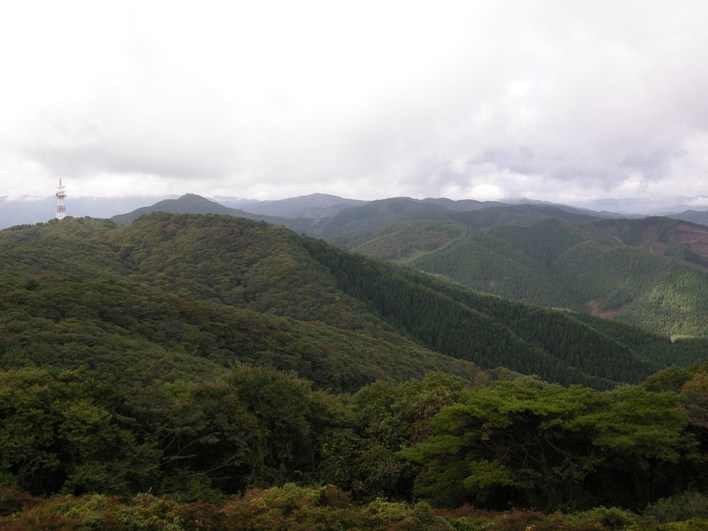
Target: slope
[693, 216]
[307, 206]
[648, 273]
[378, 214]
[73, 297]
[169, 289]
[402, 241]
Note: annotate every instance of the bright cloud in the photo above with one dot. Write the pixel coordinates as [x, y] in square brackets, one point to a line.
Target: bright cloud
[550, 100]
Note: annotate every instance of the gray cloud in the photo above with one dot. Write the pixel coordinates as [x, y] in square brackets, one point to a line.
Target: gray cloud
[559, 101]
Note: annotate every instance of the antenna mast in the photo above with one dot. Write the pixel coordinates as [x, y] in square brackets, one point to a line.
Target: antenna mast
[61, 207]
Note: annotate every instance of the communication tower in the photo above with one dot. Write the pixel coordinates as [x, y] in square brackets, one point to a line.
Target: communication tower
[61, 207]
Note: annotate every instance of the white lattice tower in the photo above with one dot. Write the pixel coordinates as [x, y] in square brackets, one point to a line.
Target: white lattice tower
[61, 195]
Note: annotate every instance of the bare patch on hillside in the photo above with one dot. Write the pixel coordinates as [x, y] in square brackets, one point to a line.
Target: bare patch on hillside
[695, 237]
[593, 308]
[650, 242]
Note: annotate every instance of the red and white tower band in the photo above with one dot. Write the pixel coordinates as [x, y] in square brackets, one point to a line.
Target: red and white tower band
[61, 207]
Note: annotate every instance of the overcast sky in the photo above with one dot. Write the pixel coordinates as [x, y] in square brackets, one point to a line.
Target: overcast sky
[555, 100]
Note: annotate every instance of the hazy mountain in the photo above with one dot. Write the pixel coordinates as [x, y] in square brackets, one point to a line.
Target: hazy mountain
[188, 203]
[364, 216]
[694, 216]
[314, 206]
[461, 205]
[643, 206]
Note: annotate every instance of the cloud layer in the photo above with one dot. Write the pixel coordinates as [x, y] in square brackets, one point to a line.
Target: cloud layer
[563, 101]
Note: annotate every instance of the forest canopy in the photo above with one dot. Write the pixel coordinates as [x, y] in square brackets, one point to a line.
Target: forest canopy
[209, 369]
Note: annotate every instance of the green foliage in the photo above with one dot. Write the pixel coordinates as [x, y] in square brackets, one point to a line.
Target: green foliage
[194, 358]
[608, 518]
[681, 506]
[641, 272]
[491, 332]
[669, 379]
[307, 508]
[62, 432]
[533, 444]
[403, 241]
[290, 507]
[364, 458]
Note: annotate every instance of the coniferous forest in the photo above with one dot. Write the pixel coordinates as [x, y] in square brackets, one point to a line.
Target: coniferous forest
[212, 372]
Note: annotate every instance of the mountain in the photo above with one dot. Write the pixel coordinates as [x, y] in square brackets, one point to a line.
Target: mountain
[645, 272]
[314, 206]
[461, 205]
[181, 297]
[643, 206]
[376, 214]
[195, 204]
[175, 296]
[694, 216]
[649, 272]
[329, 216]
[187, 203]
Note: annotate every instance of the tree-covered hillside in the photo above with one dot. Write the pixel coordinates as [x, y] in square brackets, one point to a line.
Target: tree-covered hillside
[226, 289]
[651, 273]
[74, 295]
[211, 372]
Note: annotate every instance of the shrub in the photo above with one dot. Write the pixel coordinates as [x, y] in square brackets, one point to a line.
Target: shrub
[605, 518]
[679, 507]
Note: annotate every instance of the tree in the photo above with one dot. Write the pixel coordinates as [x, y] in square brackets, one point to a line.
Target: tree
[59, 431]
[528, 443]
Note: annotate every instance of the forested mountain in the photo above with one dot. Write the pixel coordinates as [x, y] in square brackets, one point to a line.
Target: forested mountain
[649, 272]
[168, 294]
[186, 204]
[378, 214]
[149, 283]
[199, 366]
[314, 206]
[331, 217]
[694, 216]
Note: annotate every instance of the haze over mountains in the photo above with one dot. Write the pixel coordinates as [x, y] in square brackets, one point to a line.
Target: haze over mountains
[18, 211]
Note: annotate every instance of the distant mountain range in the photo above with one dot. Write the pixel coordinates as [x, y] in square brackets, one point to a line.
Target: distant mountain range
[320, 206]
[39, 210]
[313, 206]
[347, 217]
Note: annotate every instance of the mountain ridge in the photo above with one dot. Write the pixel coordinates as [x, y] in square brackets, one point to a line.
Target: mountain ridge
[200, 273]
[420, 233]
